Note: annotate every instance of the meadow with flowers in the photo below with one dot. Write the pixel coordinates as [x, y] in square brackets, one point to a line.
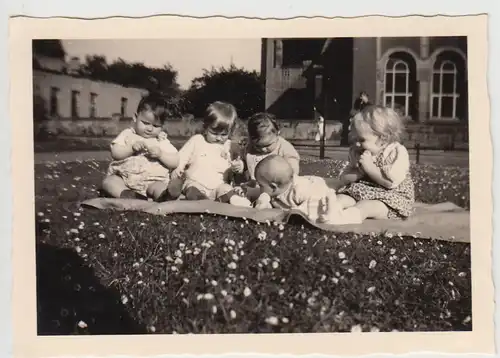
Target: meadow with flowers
[108, 272]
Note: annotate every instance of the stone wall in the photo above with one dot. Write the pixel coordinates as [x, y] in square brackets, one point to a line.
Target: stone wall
[449, 135]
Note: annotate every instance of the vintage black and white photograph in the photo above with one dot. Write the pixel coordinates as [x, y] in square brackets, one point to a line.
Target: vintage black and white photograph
[333, 195]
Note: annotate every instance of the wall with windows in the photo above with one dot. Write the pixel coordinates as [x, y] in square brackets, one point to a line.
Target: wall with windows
[424, 83]
[66, 96]
[424, 78]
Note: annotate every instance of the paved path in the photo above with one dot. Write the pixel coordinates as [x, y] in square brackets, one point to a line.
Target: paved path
[426, 157]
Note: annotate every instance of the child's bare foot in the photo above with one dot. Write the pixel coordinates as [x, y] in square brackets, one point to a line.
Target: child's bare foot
[330, 210]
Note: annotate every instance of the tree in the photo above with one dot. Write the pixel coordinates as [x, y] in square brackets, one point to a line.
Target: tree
[132, 74]
[48, 48]
[95, 67]
[161, 80]
[244, 89]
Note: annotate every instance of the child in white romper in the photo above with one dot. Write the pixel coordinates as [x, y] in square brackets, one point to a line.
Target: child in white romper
[205, 166]
[283, 189]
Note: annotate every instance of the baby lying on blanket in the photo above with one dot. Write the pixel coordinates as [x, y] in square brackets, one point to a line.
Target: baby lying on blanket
[311, 195]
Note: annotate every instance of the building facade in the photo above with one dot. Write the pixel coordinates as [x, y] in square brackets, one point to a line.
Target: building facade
[59, 92]
[424, 78]
[69, 97]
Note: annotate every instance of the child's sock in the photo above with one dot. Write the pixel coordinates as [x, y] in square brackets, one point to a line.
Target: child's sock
[239, 201]
[130, 194]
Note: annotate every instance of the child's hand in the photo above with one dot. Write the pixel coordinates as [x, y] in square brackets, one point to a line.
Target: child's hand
[366, 159]
[138, 146]
[176, 174]
[237, 165]
[239, 191]
[153, 151]
[162, 136]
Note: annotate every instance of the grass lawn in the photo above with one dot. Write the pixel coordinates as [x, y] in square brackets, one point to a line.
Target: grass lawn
[104, 272]
[71, 144]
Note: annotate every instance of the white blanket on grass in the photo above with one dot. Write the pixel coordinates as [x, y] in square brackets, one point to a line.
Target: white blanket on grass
[444, 221]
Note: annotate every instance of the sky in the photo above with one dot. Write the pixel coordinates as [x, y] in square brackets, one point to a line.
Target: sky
[188, 56]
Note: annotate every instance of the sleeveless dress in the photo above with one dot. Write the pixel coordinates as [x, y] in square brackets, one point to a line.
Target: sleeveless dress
[139, 171]
[400, 199]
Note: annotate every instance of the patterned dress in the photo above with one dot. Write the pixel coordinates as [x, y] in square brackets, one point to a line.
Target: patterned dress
[394, 163]
[139, 171]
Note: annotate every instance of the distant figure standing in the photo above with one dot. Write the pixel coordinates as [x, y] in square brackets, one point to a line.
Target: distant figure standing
[359, 104]
[320, 121]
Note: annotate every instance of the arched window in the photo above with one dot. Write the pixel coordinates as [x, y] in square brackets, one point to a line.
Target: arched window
[399, 83]
[446, 88]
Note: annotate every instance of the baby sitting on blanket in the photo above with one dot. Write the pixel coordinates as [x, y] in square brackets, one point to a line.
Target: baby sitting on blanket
[205, 166]
[283, 189]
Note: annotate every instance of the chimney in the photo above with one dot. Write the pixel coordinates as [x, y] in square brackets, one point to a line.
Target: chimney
[74, 66]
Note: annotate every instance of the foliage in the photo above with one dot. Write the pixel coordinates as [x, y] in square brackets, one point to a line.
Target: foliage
[136, 74]
[244, 89]
[48, 48]
[162, 80]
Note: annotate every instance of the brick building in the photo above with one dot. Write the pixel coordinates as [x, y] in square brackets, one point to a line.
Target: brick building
[61, 93]
[425, 78]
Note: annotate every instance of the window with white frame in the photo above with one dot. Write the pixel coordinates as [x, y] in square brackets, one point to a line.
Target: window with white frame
[397, 85]
[444, 94]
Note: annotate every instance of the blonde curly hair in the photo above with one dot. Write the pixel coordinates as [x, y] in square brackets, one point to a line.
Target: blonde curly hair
[384, 122]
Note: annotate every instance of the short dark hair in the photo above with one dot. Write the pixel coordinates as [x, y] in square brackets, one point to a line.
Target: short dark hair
[220, 115]
[261, 123]
[155, 103]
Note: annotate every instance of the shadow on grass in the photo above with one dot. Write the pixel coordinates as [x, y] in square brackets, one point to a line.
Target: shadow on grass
[68, 292]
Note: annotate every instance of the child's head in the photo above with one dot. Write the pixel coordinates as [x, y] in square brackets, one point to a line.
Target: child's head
[263, 132]
[219, 121]
[274, 175]
[150, 116]
[376, 126]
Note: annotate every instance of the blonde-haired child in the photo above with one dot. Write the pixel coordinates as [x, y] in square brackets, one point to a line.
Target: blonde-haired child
[378, 179]
[205, 163]
[264, 140]
[142, 155]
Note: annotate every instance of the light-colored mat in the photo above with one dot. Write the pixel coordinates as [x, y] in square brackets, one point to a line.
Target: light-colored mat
[444, 221]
